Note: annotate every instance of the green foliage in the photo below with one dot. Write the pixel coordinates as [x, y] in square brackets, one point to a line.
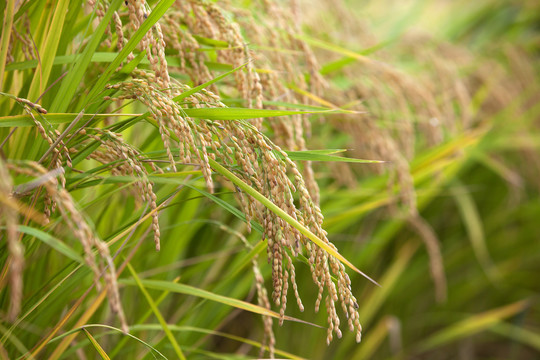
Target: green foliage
[93, 179]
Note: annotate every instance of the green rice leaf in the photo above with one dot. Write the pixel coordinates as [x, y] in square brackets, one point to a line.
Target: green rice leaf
[96, 345]
[310, 155]
[54, 119]
[205, 113]
[48, 50]
[472, 325]
[244, 113]
[109, 57]
[525, 336]
[7, 22]
[67, 333]
[146, 327]
[53, 242]
[72, 81]
[193, 291]
[157, 313]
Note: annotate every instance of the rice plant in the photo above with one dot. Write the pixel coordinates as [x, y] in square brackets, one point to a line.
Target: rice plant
[231, 179]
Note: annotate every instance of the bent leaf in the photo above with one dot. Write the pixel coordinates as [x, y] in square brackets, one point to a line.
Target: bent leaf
[193, 291]
[282, 214]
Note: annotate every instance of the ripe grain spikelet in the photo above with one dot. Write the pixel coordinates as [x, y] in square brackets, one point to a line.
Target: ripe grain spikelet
[60, 153]
[103, 264]
[9, 219]
[266, 168]
[125, 160]
[21, 38]
[262, 296]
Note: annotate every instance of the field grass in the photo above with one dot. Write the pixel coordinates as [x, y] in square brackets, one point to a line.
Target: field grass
[236, 180]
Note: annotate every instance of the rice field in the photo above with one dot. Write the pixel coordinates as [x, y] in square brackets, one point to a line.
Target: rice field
[236, 180]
